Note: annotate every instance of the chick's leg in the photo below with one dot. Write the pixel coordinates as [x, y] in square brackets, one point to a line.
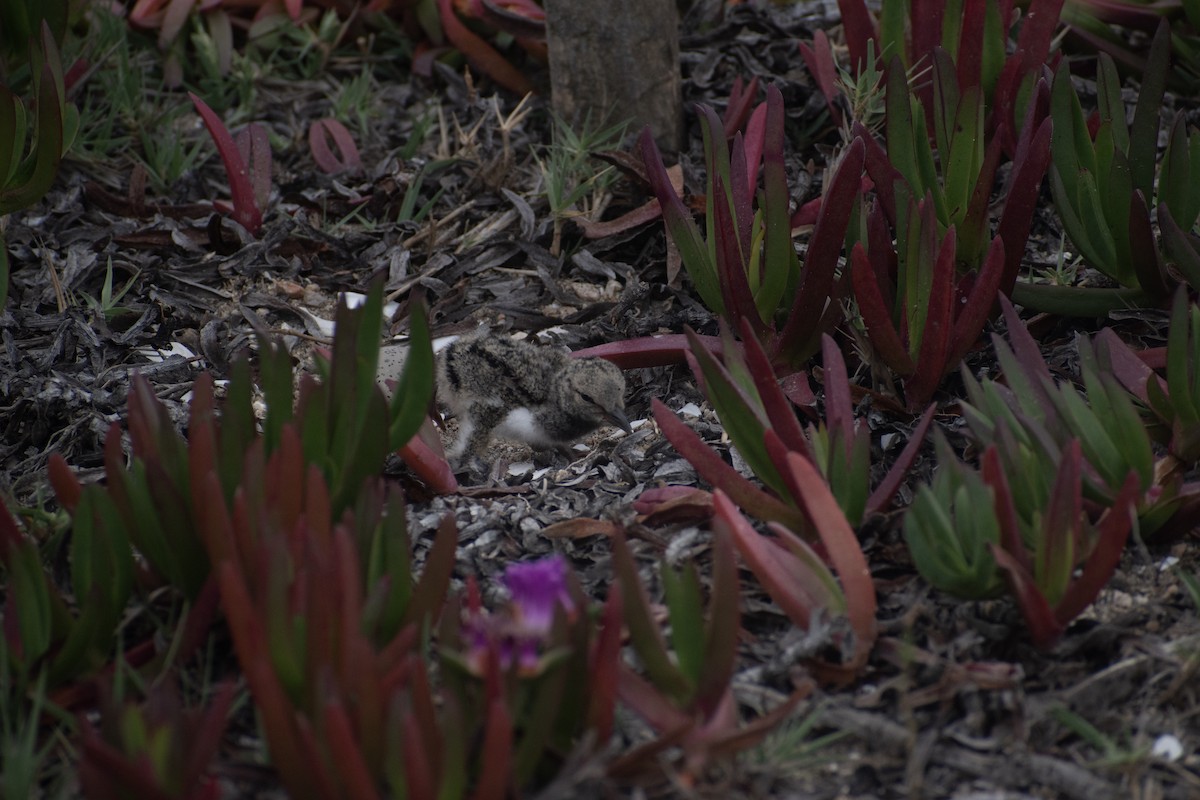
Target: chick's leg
[475, 429]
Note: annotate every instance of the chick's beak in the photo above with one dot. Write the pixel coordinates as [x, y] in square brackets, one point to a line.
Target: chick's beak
[617, 417]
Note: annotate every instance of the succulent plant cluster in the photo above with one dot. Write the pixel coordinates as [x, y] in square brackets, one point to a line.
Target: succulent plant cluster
[371, 678]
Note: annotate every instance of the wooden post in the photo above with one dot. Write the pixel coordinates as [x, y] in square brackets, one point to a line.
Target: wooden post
[612, 60]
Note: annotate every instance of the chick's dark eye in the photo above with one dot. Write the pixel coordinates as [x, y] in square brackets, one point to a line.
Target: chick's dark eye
[587, 398]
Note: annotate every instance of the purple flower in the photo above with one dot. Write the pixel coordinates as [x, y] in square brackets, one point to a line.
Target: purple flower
[519, 632]
[537, 588]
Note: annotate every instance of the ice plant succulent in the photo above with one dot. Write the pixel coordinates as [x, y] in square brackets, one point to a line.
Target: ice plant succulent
[1175, 401]
[944, 148]
[1104, 181]
[1054, 560]
[156, 749]
[976, 35]
[1032, 418]
[158, 500]
[751, 403]
[950, 529]
[42, 634]
[683, 688]
[26, 176]
[921, 316]
[247, 160]
[1104, 26]
[925, 299]
[519, 663]
[839, 611]
[745, 265]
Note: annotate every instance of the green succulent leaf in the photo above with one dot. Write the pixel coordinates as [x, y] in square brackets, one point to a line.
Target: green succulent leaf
[1179, 174]
[682, 589]
[950, 528]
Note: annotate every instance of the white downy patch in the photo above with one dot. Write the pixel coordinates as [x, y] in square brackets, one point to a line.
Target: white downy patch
[465, 429]
[519, 424]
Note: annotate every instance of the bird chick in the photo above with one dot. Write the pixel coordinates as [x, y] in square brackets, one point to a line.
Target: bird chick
[523, 391]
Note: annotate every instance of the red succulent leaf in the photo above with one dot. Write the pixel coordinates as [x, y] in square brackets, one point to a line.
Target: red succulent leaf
[431, 467]
[106, 772]
[1179, 246]
[1147, 260]
[887, 488]
[732, 240]
[976, 307]
[1062, 523]
[603, 669]
[808, 311]
[647, 212]
[789, 581]
[66, 486]
[320, 133]
[482, 55]
[422, 722]
[799, 391]
[1025, 348]
[274, 708]
[1113, 531]
[646, 758]
[202, 438]
[429, 595]
[712, 468]
[807, 214]
[877, 316]
[669, 504]
[731, 742]
[845, 553]
[579, 528]
[755, 143]
[193, 631]
[1037, 32]
[775, 403]
[682, 230]
[737, 112]
[821, 65]
[245, 207]
[1044, 627]
[859, 27]
[496, 754]
[1127, 365]
[879, 167]
[925, 34]
[933, 356]
[418, 764]
[839, 409]
[255, 149]
[354, 776]
[1031, 161]
[649, 703]
[1006, 513]
[721, 628]
[970, 44]
[651, 351]
[521, 18]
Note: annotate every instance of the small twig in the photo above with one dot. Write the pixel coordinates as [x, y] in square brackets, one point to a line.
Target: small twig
[301, 335]
[431, 229]
[59, 297]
